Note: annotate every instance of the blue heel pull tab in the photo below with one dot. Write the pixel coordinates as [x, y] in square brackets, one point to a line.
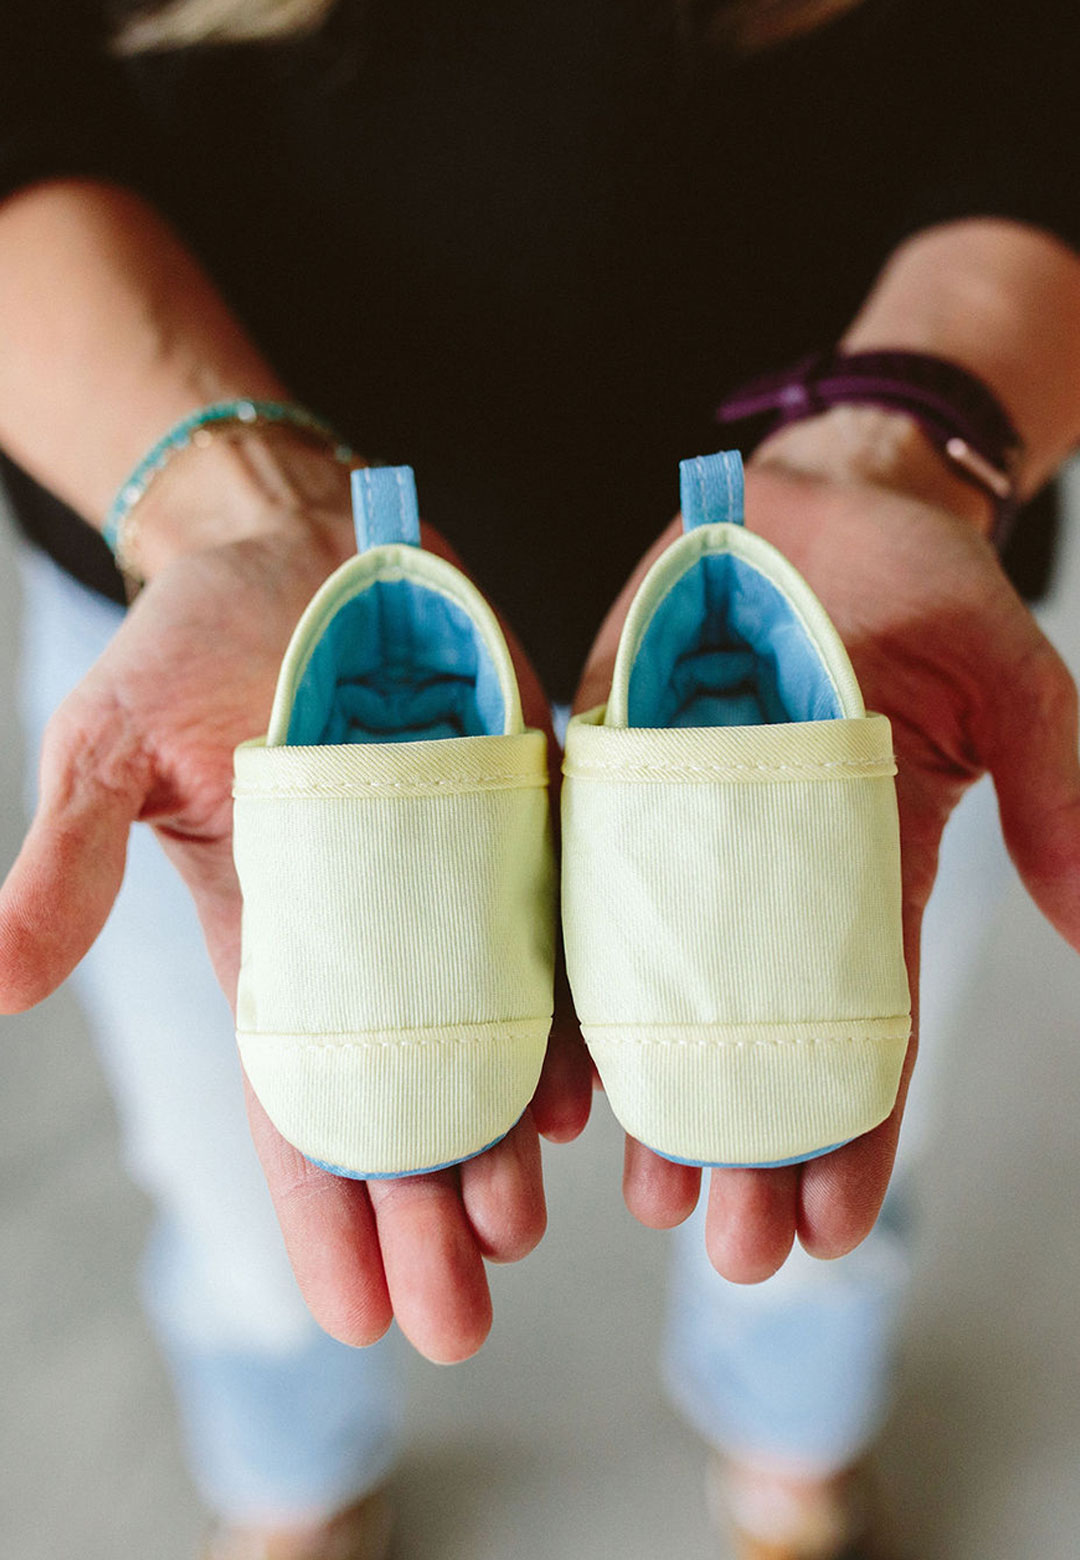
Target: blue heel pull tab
[384, 506]
[711, 489]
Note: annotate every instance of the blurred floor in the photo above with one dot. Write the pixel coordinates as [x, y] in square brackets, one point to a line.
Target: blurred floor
[556, 1442]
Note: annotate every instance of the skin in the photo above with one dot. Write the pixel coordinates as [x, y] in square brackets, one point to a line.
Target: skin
[234, 541]
[896, 546]
[100, 356]
[149, 736]
[948, 651]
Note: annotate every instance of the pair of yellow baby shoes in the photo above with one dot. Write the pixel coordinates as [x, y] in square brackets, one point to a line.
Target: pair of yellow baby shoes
[730, 863]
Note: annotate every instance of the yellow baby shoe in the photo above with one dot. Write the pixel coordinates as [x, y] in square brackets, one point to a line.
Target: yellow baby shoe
[392, 841]
[731, 867]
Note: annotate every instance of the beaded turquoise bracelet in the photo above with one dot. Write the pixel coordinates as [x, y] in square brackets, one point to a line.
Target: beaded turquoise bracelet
[198, 428]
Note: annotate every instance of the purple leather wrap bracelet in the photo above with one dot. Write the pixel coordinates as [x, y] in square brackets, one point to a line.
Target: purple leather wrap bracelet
[959, 414]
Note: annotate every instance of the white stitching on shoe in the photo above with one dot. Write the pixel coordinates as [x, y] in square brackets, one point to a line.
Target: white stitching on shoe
[853, 768]
[464, 784]
[347, 1039]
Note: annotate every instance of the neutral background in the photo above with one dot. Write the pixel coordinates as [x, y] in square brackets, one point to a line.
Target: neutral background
[556, 1442]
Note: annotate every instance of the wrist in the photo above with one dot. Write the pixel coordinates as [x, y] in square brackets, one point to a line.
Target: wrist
[1003, 300]
[256, 482]
[874, 447]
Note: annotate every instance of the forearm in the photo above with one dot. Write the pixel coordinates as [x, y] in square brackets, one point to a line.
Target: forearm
[111, 332]
[1000, 299]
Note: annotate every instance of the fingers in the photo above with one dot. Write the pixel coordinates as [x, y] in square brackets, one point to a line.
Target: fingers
[750, 1222]
[207, 867]
[410, 1248]
[61, 888]
[436, 1229]
[840, 1195]
[563, 1098]
[434, 1270]
[330, 1235]
[658, 1192]
[503, 1194]
[1030, 748]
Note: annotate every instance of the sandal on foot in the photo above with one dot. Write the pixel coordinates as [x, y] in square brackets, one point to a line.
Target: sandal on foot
[361, 1531]
[771, 1517]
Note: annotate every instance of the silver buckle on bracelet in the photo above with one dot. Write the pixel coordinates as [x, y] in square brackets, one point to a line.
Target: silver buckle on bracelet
[1001, 483]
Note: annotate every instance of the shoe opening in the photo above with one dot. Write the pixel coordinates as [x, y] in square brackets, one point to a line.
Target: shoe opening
[725, 647]
[398, 662]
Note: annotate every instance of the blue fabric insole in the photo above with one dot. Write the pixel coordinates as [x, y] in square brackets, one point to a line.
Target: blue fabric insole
[397, 663]
[726, 648]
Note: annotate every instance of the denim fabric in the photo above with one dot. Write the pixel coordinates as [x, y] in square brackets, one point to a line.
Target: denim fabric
[280, 1420]
[796, 1370]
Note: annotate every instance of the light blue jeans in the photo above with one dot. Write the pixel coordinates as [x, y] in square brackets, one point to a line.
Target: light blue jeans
[798, 1371]
[283, 1423]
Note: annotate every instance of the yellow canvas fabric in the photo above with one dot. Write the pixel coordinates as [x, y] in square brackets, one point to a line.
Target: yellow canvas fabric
[732, 912]
[395, 990]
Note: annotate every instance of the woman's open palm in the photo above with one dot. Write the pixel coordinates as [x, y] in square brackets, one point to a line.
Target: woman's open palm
[149, 735]
[941, 644]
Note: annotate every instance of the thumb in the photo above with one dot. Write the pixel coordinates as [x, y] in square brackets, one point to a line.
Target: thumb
[1031, 751]
[62, 885]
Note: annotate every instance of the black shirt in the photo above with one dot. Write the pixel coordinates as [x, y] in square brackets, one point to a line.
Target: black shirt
[525, 247]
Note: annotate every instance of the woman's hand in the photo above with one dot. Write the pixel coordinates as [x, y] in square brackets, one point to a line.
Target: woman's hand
[942, 645]
[149, 736]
